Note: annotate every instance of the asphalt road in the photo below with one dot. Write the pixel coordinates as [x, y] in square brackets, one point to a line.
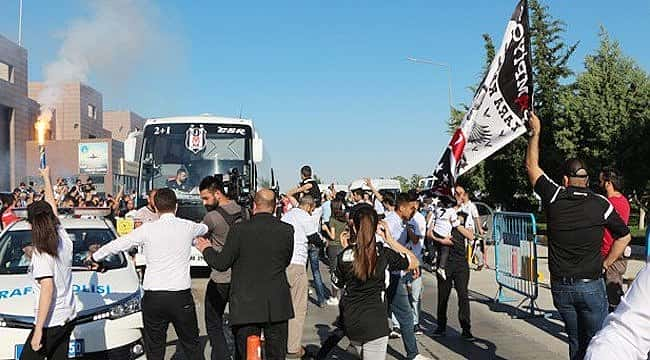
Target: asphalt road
[502, 330]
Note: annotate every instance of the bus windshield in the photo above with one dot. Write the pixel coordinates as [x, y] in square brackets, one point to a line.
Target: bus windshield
[179, 156]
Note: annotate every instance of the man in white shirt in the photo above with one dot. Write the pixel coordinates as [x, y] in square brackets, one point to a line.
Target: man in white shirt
[474, 223]
[416, 245]
[305, 231]
[167, 285]
[625, 333]
[398, 297]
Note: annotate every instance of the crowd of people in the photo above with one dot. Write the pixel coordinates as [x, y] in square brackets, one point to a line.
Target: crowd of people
[376, 245]
[80, 194]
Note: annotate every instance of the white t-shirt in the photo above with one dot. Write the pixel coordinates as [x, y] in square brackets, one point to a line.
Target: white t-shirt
[146, 215]
[303, 226]
[379, 207]
[420, 228]
[625, 332]
[167, 245]
[472, 213]
[63, 307]
[443, 221]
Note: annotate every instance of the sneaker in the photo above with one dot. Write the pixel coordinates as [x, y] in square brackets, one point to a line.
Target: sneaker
[395, 334]
[311, 292]
[418, 330]
[480, 267]
[467, 335]
[421, 357]
[442, 273]
[440, 332]
[332, 301]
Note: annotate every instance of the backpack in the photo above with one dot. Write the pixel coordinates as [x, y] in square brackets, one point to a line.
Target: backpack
[232, 219]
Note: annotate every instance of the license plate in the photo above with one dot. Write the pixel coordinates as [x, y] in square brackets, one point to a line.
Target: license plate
[75, 349]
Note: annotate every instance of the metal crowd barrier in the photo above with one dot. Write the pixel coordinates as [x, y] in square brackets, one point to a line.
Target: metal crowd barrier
[515, 248]
[647, 245]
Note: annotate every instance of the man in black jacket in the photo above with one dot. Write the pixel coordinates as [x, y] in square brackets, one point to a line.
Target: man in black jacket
[258, 252]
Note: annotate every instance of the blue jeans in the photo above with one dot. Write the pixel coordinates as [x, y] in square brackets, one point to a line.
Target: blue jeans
[400, 306]
[583, 307]
[314, 263]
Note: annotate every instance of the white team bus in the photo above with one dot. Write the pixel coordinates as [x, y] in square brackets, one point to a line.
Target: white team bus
[195, 147]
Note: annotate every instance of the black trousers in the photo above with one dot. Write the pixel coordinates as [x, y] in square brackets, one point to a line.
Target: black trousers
[275, 335]
[216, 298]
[159, 308]
[458, 277]
[54, 344]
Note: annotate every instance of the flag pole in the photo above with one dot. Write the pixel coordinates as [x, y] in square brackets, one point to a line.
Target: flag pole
[20, 22]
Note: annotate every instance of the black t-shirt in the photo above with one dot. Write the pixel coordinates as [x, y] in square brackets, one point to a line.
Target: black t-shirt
[576, 220]
[458, 251]
[363, 305]
[314, 191]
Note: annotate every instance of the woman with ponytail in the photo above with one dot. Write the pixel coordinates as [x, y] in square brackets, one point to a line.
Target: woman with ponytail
[360, 273]
[51, 271]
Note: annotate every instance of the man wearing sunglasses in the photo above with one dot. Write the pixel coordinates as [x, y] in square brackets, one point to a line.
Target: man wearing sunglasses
[577, 218]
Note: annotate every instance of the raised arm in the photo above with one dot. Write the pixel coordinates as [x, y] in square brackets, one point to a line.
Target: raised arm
[395, 245]
[49, 192]
[372, 187]
[116, 199]
[126, 242]
[532, 154]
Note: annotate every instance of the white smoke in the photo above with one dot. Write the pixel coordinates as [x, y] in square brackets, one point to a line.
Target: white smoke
[112, 39]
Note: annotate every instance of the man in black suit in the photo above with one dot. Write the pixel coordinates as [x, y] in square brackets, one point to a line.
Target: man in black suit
[258, 252]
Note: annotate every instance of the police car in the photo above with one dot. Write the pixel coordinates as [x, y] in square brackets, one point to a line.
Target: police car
[109, 319]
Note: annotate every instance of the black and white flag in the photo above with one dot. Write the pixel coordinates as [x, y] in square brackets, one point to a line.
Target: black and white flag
[499, 110]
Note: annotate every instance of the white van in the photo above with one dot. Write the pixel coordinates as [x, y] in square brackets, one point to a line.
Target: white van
[109, 320]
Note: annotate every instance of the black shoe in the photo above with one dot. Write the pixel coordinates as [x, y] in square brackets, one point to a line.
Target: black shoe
[440, 332]
[418, 330]
[467, 335]
[395, 334]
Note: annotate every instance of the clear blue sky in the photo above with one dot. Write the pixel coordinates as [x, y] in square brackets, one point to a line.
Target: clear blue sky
[326, 81]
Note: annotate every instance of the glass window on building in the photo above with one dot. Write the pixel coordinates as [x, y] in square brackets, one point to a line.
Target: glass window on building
[6, 72]
[92, 111]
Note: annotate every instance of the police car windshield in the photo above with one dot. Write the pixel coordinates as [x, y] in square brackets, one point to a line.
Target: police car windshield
[179, 156]
[16, 249]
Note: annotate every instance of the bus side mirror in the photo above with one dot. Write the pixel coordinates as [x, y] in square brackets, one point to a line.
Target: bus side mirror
[258, 150]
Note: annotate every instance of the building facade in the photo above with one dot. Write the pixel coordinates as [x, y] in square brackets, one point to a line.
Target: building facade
[96, 159]
[17, 113]
[78, 114]
[121, 123]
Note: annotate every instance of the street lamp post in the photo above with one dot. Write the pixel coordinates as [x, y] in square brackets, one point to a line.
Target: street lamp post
[444, 65]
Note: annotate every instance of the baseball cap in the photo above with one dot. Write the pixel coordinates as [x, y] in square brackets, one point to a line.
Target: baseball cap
[575, 168]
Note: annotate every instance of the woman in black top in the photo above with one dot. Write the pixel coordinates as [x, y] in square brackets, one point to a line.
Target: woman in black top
[360, 272]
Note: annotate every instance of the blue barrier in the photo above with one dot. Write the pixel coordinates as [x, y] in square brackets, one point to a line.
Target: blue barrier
[647, 244]
[515, 244]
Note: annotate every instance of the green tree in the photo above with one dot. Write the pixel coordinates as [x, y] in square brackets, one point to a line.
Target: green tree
[605, 116]
[414, 181]
[550, 67]
[403, 182]
[317, 179]
[505, 174]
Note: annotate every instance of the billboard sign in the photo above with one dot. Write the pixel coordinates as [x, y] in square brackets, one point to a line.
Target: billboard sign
[93, 158]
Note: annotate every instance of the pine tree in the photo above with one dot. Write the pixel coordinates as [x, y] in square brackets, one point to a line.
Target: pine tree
[550, 58]
[605, 116]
